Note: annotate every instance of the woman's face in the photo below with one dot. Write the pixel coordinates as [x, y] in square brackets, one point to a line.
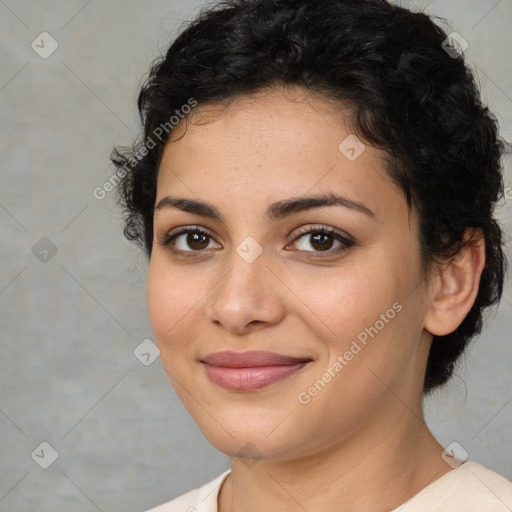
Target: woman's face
[349, 304]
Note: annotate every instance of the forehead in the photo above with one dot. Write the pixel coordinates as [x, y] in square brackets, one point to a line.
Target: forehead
[275, 144]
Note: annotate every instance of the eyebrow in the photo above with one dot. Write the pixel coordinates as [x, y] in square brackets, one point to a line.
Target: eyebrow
[275, 211]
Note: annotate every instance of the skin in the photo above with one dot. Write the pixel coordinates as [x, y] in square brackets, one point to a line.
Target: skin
[366, 424]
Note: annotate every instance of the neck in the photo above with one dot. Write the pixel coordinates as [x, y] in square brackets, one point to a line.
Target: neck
[377, 468]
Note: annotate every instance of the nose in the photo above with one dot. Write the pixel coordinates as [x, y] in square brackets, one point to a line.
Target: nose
[248, 297]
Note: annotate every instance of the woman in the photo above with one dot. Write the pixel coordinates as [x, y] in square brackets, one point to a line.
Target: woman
[314, 189]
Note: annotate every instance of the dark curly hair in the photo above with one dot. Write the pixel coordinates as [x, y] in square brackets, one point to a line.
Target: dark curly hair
[409, 96]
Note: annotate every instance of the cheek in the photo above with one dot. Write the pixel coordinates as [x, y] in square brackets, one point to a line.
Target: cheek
[365, 315]
[158, 296]
[169, 299]
[176, 297]
[342, 303]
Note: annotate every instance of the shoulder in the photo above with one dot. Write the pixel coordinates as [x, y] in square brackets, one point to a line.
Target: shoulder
[483, 485]
[469, 487]
[201, 499]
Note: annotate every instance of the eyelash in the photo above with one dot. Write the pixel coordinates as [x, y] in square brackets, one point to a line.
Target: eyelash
[346, 242]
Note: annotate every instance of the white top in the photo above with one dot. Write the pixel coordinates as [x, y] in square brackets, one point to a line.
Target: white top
[470, 487]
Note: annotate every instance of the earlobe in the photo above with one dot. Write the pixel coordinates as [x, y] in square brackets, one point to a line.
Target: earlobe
[456, 287]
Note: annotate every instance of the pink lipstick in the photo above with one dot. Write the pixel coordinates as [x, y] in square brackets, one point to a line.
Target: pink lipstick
[251, 370]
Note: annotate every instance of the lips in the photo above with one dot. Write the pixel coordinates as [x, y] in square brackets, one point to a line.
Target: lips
[251, 359]
[253, 370]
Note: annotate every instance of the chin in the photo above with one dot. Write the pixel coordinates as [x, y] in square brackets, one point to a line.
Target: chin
[248, 447]
[255, 440]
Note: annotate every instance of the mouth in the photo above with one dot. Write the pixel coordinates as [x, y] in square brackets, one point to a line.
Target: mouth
[252, 370]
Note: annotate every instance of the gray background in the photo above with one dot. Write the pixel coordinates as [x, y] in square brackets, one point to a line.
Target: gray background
[69, 325]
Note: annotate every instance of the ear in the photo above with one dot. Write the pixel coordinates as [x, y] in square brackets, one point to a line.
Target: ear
[456, 286]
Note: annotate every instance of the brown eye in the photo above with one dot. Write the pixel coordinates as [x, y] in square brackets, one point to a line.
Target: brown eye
[323, 240]
[196, 241]
[188, 240]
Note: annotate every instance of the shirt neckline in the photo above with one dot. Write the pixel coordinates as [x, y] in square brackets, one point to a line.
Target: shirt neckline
[211, 498]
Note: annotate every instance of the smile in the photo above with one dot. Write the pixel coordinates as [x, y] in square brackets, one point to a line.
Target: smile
[250, 370]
